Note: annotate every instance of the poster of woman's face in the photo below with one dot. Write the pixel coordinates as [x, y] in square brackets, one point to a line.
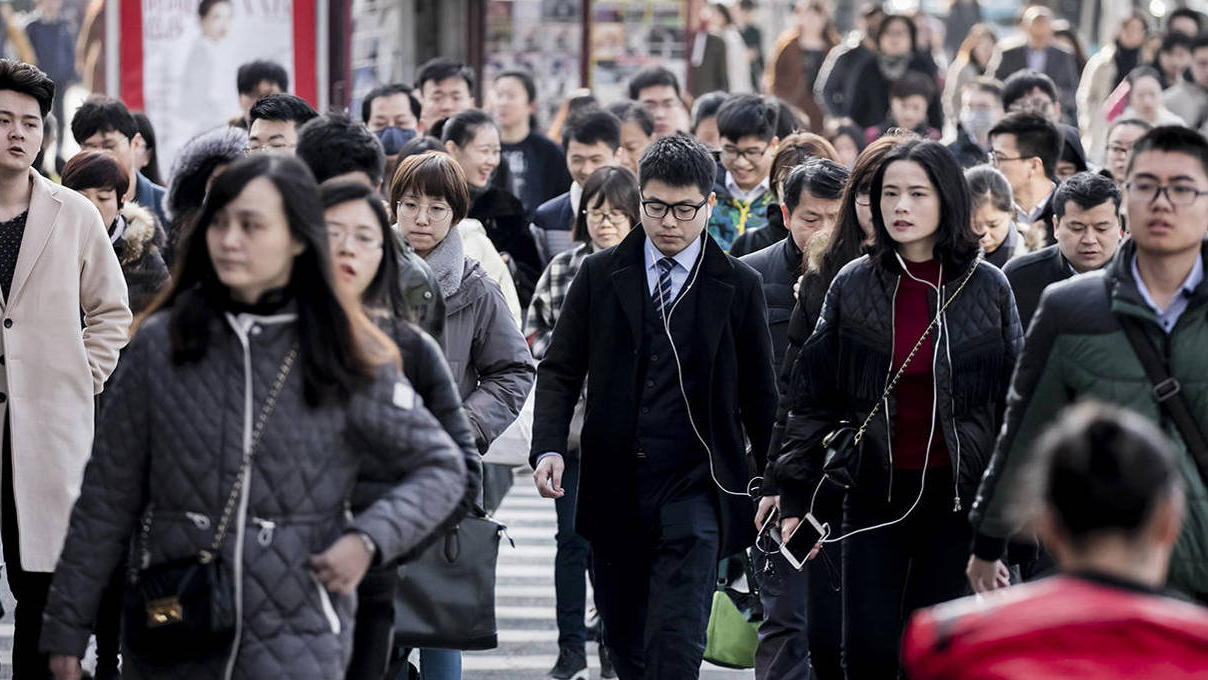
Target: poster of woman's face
[216, 17]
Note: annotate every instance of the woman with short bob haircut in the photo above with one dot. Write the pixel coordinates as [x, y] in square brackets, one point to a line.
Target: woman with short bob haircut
[250, 403]
[916, 340]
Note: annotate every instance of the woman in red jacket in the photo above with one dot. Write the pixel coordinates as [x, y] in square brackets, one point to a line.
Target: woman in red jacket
[1108, 486]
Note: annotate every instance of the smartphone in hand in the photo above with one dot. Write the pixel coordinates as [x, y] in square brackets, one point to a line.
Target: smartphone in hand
[805, 541]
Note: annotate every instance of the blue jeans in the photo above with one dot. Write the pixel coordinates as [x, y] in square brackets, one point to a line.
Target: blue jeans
[440, 664]
[571, 562]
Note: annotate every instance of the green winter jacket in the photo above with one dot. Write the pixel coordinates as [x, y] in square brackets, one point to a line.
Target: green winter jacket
[1075, 349]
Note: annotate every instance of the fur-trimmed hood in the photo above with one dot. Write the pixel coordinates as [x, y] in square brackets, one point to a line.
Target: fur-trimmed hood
[195, 162]
[141, 234]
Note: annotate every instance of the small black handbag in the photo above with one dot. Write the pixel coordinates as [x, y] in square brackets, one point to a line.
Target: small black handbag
[184, 609]
[841, 447]
[446, 597]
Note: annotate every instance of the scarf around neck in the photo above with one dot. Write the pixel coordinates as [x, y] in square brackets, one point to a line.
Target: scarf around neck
[448, 262]
[893, 68]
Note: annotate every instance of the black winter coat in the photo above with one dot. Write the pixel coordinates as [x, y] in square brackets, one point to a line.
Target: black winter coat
[754, 240]
[868, 92]
[138, 251]
[506, 222]
[779, 265]
[843, 368]
[167, 451]
[599, 338]
[1030, 274]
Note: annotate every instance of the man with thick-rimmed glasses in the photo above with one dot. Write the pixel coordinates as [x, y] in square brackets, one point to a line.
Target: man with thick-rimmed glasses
[670, 335]
[1078, 347]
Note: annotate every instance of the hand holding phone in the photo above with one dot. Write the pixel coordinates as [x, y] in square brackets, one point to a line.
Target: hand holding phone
[805, 542]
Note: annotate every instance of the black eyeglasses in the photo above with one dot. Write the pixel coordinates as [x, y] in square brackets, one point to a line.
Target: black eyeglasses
[1147, 191]
[682, 211]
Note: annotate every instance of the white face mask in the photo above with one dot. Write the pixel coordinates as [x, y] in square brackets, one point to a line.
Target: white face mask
[978, 123]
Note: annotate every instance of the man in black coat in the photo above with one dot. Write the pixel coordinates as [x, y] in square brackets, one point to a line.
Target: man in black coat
[671, 335]
[1038, 53]
[1086, 221]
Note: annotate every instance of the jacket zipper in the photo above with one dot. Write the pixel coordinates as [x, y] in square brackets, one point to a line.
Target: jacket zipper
[893, 338]
[241, 518]
[329, 611]
[956, 471]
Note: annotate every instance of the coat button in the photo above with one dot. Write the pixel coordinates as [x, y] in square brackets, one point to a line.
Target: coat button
[653, 357]
[8, 323]
[645, 409]
[649, 383]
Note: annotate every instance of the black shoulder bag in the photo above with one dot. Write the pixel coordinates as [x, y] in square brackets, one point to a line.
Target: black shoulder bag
[841, 458]
[184, 609]
[1167, 392]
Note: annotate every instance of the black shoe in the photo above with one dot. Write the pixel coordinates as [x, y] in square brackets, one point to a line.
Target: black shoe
[606, 669]
[571, 665]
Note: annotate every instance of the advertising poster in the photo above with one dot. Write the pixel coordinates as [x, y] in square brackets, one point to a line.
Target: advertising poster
[376, 47]
[629, 35]
[542, 37]
[179, 59]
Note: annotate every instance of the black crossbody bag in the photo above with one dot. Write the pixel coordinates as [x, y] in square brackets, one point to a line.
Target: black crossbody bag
[1167, 392]
[184, 609]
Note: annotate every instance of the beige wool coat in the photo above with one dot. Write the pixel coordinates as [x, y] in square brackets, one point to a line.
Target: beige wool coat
[53, 368]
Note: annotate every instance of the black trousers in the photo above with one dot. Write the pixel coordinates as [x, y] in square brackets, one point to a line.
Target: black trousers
[890, 572]
[802, 628]
[571, 561]
[373, 636]
[30, 588]
[655, 590]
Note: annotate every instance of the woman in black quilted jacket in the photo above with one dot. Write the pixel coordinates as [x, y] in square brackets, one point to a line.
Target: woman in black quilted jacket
[905, 534]
[365, 252]
[256, 401]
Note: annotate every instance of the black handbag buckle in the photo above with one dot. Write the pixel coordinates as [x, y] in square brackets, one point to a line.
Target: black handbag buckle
[1166, 389]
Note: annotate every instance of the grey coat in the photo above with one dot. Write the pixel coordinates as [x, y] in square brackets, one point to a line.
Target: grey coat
[488, 355]
[168, 447]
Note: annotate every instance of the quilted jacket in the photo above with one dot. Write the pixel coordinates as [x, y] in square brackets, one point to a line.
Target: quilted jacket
[165, 457]
[1076, 349]
[843, 368]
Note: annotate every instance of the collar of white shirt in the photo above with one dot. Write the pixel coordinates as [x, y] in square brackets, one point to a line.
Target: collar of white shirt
[576, 193]
[1169, 316]
[685, 259]
[737, 192]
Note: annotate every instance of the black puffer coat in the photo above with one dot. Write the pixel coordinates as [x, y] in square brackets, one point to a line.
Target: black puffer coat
[168, 447]
[843, 368]
[138, 251]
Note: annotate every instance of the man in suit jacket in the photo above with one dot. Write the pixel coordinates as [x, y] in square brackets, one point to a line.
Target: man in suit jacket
[671, 335]
[707, 66]
[591, 140]
[1038, 53]
[57, 269]
[1086, 221]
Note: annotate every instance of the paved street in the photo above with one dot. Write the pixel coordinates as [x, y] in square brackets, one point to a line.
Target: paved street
[524, 600]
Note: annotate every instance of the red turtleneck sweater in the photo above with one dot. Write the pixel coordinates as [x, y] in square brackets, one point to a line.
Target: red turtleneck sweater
[915, 392]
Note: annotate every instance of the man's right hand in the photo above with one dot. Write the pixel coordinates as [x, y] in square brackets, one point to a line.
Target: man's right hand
[987, 576]
[548, 477]
[766, 505]
[65, 667]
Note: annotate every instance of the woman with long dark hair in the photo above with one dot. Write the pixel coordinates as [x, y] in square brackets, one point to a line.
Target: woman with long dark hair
[915, 346]
[365, 251]
[850, 238]
[250, 403]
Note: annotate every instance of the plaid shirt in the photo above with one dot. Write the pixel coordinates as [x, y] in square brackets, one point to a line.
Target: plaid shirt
[549, 295]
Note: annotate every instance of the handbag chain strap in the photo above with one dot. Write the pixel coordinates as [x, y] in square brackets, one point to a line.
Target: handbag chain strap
[265, 411]
[902, 369]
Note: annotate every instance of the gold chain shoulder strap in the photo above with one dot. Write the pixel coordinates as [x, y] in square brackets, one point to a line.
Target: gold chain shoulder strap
[902, 369]
[265, 411]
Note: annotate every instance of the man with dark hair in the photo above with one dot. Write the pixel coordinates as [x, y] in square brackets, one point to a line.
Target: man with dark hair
[445, 87]
[1029, 91]
[658, 90]
[747, 126]
[536, 165]
[1083, 343]
[1025, 147]
[703, 125]
[335, 147]
[1185, 21]
[665, 328]
[66, 318]
[274, 122]
[393, 105]
[1188, 99]
[637, 132]
[1086, 223]
[591, 139]
[812, 196]
[105, 124]
[981, 109]
[257, 79]
[1037, 52]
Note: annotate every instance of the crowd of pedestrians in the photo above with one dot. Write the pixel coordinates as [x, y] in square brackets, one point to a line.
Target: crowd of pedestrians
[937, 303]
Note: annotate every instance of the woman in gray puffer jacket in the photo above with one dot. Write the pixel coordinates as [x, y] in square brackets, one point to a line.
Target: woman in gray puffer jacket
[255, 288]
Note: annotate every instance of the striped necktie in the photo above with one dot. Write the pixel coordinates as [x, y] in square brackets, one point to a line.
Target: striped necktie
[662, 295]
